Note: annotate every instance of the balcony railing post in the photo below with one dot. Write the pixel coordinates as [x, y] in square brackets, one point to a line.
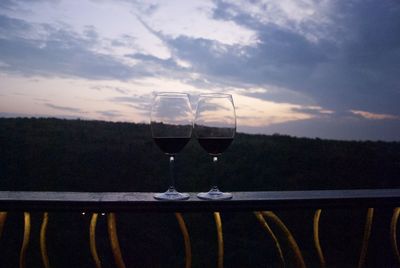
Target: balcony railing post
[43, 247]
[25, 241]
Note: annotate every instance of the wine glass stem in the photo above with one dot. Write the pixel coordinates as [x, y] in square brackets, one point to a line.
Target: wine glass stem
[171, 173]
[215, 177]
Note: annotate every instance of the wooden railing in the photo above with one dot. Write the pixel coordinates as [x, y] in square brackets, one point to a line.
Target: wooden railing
[262, 204]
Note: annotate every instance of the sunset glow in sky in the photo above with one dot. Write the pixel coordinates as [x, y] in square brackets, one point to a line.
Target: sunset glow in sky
[328, 69]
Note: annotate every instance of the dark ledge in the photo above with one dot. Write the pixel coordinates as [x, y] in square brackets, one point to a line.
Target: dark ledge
[242, 201]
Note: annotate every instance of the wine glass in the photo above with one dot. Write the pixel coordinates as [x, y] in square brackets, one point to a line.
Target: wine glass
[215, 128]
[171, 129]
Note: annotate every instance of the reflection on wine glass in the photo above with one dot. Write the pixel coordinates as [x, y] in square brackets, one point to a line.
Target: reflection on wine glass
[215, 128]
[171, 129]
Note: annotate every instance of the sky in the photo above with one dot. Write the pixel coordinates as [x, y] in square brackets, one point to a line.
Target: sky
[327, 69]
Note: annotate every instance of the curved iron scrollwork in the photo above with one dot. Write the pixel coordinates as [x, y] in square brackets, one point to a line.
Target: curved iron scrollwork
[25, 241]
[113, 235]
[264, 218]
[92, 240]
[267, 228]
[186, 238]
[43, 246]
[317, 242]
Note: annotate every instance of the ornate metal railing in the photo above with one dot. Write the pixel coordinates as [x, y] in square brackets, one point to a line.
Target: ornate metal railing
[262, 204]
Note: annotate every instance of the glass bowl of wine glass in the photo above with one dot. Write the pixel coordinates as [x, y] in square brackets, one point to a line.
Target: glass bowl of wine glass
[215, 128]
[171, 129]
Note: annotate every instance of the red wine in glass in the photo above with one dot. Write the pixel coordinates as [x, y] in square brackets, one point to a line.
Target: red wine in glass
[171, 146]
[171, 129]
[215, 146]
[215, 128]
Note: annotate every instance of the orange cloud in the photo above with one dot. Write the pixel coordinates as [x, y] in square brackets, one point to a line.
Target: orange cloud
[374, 116]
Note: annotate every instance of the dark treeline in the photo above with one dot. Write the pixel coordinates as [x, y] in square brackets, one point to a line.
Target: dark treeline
[76, 155]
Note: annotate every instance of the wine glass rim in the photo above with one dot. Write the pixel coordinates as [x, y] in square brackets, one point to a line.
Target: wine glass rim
[170, 94]
[215, 95]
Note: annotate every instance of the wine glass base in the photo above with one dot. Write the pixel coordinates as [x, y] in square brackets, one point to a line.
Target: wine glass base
[214, 195]
[171, 196]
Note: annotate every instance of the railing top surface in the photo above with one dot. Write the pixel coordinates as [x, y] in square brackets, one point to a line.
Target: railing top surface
[144, 202]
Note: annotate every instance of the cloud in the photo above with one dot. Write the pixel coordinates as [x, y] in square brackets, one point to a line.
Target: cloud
[149, 59]
[257, 113]
[325, 73]
[63, 108]
[112, 88]
[110, 113]
[141, 103]
[47, 50]
[279, 65]
[7, 4]
[156, 67]
[15, 28]
[64, 53]
[313, 110]
[194, 19]
[307, 18]
[373, 116]
[353, 63]
[3, 65]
